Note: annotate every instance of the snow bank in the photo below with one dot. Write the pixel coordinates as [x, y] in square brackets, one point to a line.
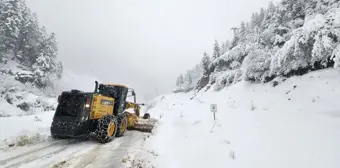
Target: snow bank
[294, 124]
[25, 130]
[17, 98]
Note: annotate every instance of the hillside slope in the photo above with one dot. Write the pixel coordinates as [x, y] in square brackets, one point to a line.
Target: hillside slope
[294, 124]
[29, 66]
[292, 37]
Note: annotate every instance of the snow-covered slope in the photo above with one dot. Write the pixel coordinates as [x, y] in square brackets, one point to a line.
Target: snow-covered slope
[18, 94]
[294, 124]
[291, 37]
[18, 98]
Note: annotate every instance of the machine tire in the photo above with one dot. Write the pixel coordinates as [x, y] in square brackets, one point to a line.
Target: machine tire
[122, 125]
[106, 129]
[146, 116]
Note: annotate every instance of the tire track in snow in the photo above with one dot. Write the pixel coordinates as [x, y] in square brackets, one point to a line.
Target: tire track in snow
[86, 159]
[34, 154]
[32, 157]
[11, 157]
[58, 160]
[106, 155]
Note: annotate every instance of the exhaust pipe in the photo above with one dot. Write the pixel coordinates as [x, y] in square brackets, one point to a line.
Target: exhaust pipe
[96, 87]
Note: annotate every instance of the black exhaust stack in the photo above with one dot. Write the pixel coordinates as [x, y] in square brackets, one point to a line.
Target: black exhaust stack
[96, 87]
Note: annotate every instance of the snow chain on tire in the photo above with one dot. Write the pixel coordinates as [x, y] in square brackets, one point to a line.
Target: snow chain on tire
[120, 131]
[106, 125]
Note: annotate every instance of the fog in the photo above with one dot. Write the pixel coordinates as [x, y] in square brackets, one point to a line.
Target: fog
[144, 44]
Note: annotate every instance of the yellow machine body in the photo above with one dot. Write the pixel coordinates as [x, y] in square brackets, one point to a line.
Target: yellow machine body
[101, 106]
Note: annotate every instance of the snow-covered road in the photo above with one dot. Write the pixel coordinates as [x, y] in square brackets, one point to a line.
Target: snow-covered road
[29, 145]
[73, 153]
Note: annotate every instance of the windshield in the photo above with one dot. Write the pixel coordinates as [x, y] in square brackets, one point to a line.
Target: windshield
[111, 91]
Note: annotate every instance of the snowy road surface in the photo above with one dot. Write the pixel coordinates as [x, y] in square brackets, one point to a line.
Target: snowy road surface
[73, 153]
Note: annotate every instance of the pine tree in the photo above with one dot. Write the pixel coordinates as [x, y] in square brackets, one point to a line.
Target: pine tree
[242, 28]
[10, 18]
[236, 37]
[180, 80]
[205, 63]
[254, 20]
[188, 78]
[217, 50]
[177, 81]
[261, 17]
[225, 47]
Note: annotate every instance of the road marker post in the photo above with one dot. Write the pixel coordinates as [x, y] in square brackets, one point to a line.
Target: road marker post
[213, 109]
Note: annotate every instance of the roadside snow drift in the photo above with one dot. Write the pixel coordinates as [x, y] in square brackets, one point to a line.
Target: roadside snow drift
[294, 124]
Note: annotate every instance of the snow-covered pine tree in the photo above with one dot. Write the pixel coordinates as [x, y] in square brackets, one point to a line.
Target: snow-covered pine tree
[242, 32]
[225, 47]
[255, 21]
[188, 78]
[205, 62]
[10, 18]
[179, 81]
[216, 50]
[236, 37]
[261, 17]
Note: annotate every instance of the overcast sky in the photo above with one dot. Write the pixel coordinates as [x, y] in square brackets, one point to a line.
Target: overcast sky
[145, 44]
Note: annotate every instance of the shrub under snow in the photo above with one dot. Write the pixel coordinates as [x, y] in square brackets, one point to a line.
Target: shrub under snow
[336, 57]
[256, 65]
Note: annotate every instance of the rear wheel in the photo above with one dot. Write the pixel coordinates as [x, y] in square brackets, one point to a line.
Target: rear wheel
[106, 129]
[122, 121]
[58, 137]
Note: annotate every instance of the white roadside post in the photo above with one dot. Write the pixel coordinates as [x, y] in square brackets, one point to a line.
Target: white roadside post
[213, 109]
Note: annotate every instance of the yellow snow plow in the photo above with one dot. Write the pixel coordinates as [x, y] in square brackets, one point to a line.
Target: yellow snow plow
[104, 112]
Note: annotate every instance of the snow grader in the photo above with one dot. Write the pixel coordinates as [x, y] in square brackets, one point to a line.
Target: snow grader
[105, 112]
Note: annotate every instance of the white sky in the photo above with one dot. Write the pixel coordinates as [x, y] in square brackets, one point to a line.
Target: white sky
[145, 44]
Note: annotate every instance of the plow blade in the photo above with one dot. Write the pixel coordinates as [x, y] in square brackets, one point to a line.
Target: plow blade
[144, 125]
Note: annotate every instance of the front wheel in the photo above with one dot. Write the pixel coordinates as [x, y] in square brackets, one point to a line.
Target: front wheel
[146, 116]
[106, 129]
